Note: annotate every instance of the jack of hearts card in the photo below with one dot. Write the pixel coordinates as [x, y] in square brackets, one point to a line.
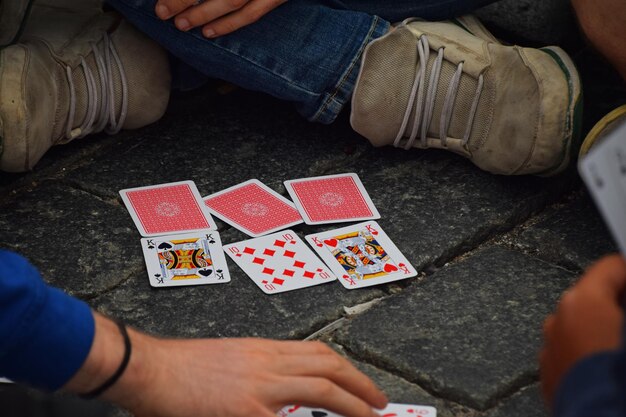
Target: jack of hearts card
[361, 255]
[186, 259]
[279, 262]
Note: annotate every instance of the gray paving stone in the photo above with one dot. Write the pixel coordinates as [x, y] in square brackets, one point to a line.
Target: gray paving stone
[236, 309]
[399, 390]
[527, 402]
[469, 333]
[572, 235]
[436, 205]
[79, 242]
[219, 141]
[18, 401]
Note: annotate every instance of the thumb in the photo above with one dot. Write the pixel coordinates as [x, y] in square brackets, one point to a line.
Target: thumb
[607, 276]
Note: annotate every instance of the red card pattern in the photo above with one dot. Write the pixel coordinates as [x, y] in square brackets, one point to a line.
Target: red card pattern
[253, 208]
[331, 198]
[168, 209]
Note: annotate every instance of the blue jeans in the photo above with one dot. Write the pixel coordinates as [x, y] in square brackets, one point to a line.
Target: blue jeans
[304, 51]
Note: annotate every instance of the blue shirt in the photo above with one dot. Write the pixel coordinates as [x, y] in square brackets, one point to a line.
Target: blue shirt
[45, 335]
[594, 387]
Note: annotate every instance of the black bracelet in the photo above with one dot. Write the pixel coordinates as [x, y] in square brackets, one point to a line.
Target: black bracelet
[109, 382]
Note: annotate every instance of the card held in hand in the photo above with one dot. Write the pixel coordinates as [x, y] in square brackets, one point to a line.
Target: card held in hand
[185, 259]
[392, 410]
[604, 171]
[279, 262]
[332, 199]
[253, 208]
[361, 255]
[167, 208]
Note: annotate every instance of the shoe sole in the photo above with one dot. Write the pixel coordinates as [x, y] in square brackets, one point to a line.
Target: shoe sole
[11, 35]
[601, 128]
[573, 121]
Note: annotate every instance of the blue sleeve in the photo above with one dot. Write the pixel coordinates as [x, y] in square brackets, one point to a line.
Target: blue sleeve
[45, 335]
[595, 386]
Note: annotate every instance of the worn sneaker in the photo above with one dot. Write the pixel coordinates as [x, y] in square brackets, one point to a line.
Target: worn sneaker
[601, 129]
[12, 19]
[76, 72]
[452, 85]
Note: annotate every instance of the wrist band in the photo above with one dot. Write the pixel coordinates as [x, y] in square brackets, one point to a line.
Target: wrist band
[109, 382]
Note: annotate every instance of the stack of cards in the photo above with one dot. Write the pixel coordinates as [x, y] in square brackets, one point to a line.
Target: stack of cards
[392, 410]
[181, 246]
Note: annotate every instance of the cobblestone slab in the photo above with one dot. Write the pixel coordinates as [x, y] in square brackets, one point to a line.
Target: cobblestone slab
[78, 241]
[399, 390]
[528, 402]
[436, 205]
[18, 401]
[469, 333]
[572, 235]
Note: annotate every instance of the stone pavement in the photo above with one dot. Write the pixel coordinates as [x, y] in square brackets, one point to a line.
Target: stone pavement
[494, 253]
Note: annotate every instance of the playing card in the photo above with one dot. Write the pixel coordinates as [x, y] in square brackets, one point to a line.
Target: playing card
[604, 173]
[185, 259]
[392, 410]
[253, 208]
[361, 255]
[332, 199]
[279, 262]
[167, 208]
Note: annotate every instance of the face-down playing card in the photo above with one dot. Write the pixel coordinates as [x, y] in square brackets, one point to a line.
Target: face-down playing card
[332, 199]
[167, 208]
[392, 410]
[253, 208]
[279, 262]
[185, 259]
[361, 255]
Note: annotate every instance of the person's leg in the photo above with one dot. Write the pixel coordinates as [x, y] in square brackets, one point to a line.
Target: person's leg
[510, 110]
[604, 24]
[304, 51]
[398, 10]
[75, 71]
[12, 19]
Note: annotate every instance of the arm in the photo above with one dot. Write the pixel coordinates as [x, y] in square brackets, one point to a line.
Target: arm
[602, 21]
[223, 377]
[166, 377]
[582, 358]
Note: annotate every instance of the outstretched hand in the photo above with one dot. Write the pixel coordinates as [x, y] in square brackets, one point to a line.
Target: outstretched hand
[217, 17]
[589, 319]
[224, 377]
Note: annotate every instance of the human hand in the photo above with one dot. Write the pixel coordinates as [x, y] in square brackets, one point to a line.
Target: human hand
[589, 319]
[218, 17]
[240, 378]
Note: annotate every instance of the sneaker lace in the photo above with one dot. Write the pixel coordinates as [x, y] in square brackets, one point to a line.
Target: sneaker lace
[101, 116]
[426, 95]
